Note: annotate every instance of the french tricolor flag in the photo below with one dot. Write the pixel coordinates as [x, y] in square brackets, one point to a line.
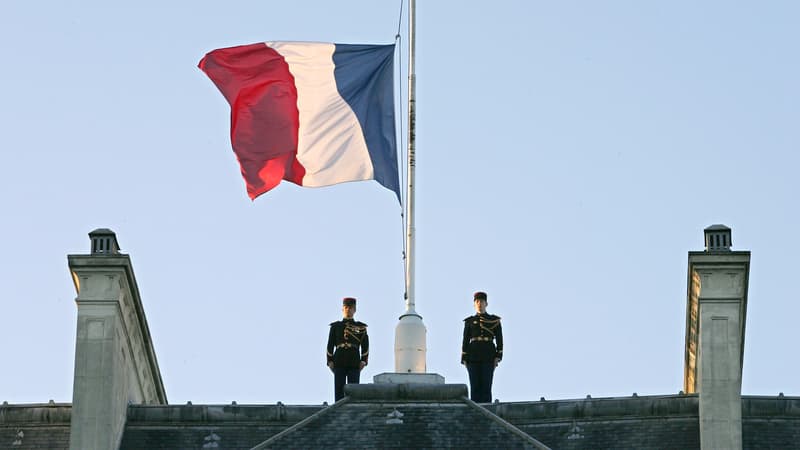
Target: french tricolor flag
[315, 114]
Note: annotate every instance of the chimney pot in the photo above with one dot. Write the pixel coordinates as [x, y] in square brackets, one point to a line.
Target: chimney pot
[718, 238]
[104, 242]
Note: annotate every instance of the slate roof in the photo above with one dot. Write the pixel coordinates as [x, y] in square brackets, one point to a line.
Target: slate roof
[650, 422]
[35, 426]
[234, 427]
[403, 416]
[433, 416]
[770, 422]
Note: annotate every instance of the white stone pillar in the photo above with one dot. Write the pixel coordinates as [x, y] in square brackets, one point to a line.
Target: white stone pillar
[715, 325]
[115, 363]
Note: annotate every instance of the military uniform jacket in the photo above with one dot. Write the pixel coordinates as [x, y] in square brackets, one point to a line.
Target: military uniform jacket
[481, 332]
[348, 343]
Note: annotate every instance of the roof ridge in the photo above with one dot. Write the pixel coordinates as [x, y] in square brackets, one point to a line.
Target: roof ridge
[265, 445]
[506, 424]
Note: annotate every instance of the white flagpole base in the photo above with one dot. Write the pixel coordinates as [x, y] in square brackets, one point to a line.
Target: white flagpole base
[409, 344]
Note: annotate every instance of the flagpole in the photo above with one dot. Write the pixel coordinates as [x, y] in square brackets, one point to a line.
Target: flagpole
[410, 346]
[412, 117]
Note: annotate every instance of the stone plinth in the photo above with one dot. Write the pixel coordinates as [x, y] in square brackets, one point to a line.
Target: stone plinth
[417, 391]
[408, 378]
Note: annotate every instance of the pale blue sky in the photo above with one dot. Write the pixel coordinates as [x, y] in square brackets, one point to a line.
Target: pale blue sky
[569, 156]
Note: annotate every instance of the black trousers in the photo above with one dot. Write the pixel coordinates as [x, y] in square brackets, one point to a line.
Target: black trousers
[340, 374]
[480, 381]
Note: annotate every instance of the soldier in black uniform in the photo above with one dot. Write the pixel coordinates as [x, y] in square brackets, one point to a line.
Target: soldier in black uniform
[478, 350]
[348, 348]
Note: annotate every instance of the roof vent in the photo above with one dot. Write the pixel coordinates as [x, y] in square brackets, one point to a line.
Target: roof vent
[104, 242]
[718, 238]
[395, 417]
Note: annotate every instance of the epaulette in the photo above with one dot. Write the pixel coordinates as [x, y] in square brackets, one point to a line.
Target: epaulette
[468, 318]
[334, 323]
[360, 324]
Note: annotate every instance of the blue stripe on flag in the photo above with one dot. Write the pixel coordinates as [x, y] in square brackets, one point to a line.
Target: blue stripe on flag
[364, 77]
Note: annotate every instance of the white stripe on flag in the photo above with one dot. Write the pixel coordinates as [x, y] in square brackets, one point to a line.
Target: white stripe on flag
[331, 143]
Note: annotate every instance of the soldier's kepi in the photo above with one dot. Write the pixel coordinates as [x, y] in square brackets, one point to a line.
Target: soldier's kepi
[348, 348]
[481, 349]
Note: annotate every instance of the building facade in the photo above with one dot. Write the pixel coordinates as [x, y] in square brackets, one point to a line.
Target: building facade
[119, 400]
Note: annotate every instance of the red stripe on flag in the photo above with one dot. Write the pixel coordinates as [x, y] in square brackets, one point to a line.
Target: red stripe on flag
[256, 81]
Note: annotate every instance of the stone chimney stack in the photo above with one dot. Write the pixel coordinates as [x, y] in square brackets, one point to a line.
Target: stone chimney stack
[716, 309]
[115, 363]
